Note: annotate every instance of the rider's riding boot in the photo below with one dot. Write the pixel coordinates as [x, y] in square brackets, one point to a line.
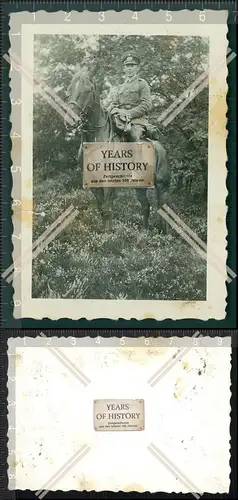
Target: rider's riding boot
[136, 133]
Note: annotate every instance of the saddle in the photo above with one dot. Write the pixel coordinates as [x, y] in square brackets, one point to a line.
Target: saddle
[121, 122]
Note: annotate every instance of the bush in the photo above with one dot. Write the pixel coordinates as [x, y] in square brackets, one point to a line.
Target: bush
[128, 262]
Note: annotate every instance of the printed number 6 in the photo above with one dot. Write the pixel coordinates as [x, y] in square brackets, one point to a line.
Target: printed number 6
[14, 168]
[202, 16]
[101, 16]
[15, 303]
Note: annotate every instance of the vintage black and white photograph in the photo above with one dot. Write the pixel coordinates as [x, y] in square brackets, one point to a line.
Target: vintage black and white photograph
[123, 242]
[125, 253]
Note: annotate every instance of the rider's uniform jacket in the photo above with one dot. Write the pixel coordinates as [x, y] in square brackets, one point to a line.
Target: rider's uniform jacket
[134, 95]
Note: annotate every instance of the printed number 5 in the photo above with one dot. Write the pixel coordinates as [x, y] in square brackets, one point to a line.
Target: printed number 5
[101, 16]
[168, 16]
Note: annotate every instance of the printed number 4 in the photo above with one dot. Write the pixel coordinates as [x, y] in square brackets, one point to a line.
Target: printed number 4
[135, 16]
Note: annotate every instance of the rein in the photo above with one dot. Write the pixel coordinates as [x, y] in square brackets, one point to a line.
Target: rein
[95, 127]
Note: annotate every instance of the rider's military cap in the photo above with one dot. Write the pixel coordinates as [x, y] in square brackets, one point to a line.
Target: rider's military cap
[130, 58]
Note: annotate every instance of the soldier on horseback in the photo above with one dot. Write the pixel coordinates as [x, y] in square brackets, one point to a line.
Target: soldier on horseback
[132, 102]
[129, 111]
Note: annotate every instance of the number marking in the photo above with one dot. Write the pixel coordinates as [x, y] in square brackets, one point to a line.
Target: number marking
[135, 16]
[15, 102]
[168, 16]
[101, 16]
[67, 17]
[15, 168]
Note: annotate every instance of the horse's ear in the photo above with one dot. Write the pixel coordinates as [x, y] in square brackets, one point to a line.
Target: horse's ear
[93, 67]
[76, 76]
[73, 83]
[100, 83]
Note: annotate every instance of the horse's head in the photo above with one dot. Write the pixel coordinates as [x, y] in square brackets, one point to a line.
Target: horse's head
[82, 92]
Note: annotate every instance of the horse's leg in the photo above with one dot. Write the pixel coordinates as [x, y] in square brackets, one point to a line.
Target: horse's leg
[141, 194]
[99, 195]
[162, 182]
[109, 196]
[163, 197]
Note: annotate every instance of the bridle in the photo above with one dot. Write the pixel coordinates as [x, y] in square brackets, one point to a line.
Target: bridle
[87, 105]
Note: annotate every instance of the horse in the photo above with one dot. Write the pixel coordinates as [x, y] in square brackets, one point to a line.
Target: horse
[94, 124]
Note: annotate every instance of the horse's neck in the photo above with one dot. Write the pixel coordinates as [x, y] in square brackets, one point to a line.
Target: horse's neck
[98, 126]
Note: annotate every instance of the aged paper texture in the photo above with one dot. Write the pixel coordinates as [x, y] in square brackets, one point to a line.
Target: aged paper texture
[53, 445]
[119, 253]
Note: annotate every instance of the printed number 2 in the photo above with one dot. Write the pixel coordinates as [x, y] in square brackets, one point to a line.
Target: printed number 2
[67, 17]
[101, 16]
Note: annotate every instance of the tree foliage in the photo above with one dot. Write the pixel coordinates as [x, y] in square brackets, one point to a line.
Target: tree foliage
[170, 65]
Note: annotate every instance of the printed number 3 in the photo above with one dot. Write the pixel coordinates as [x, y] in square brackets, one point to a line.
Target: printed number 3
[101, 16]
